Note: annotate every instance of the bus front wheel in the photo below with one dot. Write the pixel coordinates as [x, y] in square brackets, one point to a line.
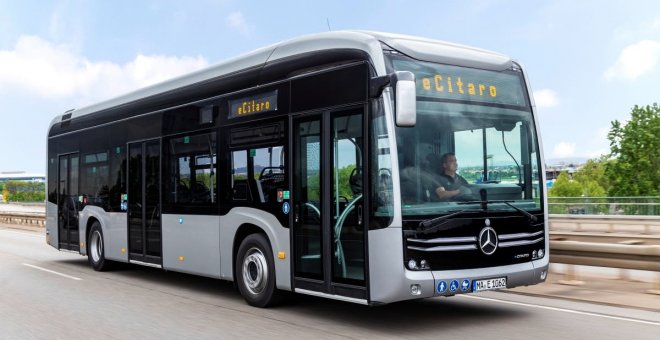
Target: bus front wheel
[255, 271]
[95, 248]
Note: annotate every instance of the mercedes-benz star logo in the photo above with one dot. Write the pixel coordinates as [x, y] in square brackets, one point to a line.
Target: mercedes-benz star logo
[488, 240]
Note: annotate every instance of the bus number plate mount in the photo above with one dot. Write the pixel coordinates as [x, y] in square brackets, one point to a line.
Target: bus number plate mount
[489, 284]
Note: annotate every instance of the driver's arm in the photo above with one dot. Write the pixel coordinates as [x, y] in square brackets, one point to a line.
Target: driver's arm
[446, 194]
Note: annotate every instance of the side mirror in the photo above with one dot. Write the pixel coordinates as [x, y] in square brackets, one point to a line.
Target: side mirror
[405, 98]
[405, 95]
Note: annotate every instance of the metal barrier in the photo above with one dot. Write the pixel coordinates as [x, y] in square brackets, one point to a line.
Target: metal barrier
[649, 225]
[621, 256]
[606, 223]
[29, 219]
[639, 257]
[639, 206]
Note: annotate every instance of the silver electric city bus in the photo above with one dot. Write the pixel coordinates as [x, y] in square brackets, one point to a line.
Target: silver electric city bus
[314, 166]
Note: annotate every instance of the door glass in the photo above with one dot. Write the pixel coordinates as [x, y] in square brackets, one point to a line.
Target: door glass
[69, 202]
[135, 198]
[75, 203]
[239, 177]
[62, 199]
[347, 180]
[307, 200]
[152, 198]
[268, 169]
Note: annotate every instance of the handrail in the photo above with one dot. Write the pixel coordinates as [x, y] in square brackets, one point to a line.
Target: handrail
[339, 252]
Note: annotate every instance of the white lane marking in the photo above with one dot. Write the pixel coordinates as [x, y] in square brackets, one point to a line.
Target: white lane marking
[53, 272]
[562, 310]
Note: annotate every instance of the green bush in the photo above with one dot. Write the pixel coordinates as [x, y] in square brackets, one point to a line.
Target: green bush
[18, 191]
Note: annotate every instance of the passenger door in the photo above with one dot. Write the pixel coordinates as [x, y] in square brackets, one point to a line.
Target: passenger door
[144, 208]
[328, 213]
[68, 202]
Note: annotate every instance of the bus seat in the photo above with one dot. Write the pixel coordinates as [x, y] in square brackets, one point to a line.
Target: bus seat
[241, 190]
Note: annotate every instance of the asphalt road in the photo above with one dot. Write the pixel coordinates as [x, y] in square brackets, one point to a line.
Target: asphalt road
[49, 294]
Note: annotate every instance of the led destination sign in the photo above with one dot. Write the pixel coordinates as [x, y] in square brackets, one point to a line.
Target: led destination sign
[259, 103]
[461, 83]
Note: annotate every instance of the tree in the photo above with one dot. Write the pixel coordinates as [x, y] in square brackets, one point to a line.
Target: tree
[17, 191]
[565, 187]
[592, 179]
[592, 176]
[635, 151]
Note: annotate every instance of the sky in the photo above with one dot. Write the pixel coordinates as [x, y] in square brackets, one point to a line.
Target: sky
[589, 62]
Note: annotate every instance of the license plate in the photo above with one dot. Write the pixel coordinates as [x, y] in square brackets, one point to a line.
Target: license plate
[490, 284]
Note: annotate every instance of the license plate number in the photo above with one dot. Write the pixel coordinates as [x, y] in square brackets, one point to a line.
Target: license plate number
[490, 284]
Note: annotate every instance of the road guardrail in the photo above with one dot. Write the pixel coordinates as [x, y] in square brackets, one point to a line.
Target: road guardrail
[606, 223]
[623, 256]
[649, 225]
[621, 250]
[30, 219]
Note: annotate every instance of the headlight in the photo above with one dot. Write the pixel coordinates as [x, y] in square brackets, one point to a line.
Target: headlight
[412, 264]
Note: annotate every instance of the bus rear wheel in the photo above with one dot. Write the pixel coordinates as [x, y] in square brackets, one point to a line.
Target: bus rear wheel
[255, 271]
[95, 248]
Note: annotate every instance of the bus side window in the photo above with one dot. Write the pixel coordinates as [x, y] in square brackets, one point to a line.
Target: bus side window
[240, 190]
[191, 166]
[257, 174]
[269, 172]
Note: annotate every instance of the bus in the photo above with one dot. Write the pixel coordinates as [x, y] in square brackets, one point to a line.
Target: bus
[310, 166]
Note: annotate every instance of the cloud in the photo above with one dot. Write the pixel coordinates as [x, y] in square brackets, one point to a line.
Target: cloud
[39, 67]
[236, 21]
[635, 60]
[598, 144]
[563, 149]
[546, 98]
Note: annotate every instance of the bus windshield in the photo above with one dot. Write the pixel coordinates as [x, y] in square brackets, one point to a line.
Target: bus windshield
[474, 140]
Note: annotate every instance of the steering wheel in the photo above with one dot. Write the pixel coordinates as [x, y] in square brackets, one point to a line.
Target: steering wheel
[465, 196]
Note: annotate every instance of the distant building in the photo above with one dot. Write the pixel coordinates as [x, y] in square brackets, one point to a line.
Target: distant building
[553, 171]
[22, 176]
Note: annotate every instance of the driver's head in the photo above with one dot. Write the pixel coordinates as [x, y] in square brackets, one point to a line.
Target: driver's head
[449, 163]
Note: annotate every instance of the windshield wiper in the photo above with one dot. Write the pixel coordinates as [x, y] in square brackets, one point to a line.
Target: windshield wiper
[434, 224]
[484, 205]
[529, 216]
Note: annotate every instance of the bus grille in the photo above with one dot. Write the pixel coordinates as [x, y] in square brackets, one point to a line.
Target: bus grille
[471, 243]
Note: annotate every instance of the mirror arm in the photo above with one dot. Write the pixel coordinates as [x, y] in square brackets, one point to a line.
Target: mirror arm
[377, 85]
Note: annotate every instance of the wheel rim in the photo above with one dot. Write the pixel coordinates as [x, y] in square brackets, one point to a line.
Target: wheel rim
[96, 246]
[255, 271]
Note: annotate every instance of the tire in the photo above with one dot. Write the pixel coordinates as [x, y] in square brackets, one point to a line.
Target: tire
[255, 272]
[96, 248]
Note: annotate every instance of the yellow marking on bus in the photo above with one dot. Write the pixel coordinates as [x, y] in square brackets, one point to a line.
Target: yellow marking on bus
[281, 255]
[181, 258]
[82, 244]
[446, 84]
[123, 250]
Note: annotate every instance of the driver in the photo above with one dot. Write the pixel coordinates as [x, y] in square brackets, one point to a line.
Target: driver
[451, 185]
